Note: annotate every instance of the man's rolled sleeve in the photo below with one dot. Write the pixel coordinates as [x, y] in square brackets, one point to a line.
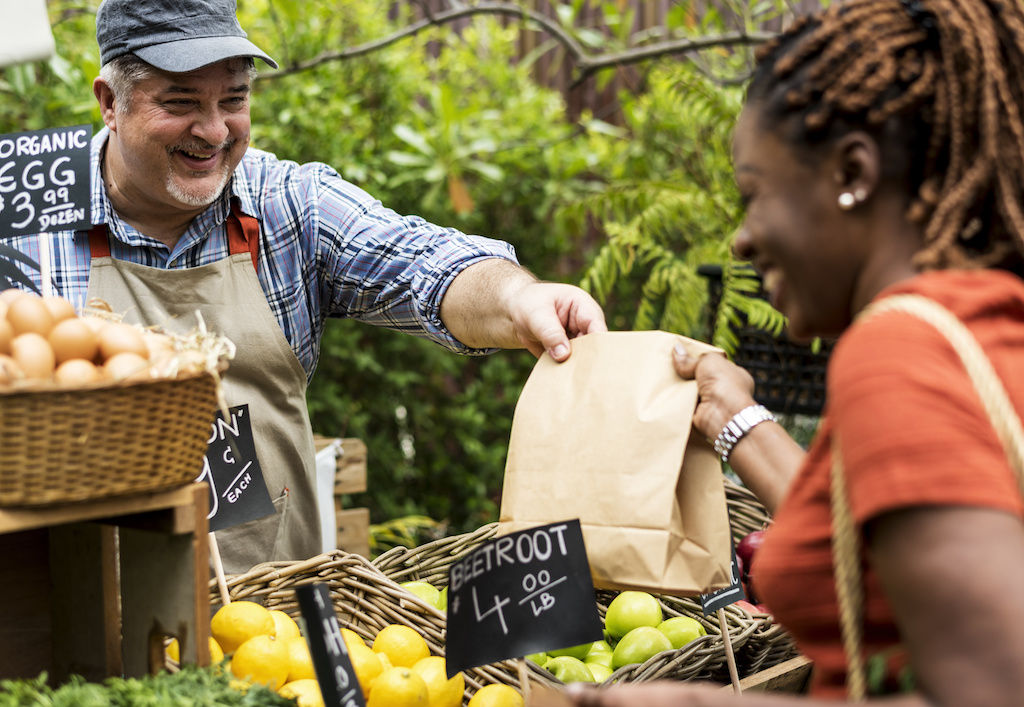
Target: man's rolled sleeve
[390, 270]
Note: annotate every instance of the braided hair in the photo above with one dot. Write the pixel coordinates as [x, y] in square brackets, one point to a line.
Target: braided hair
[940, 85]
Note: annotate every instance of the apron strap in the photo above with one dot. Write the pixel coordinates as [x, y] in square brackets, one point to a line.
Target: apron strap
[243, 233]
[243, 236]
[99, 245]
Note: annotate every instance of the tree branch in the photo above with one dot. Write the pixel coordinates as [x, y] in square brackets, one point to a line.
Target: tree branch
[437, 19]
[586, 65]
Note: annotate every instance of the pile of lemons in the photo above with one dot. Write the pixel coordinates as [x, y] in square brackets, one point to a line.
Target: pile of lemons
[394, 669]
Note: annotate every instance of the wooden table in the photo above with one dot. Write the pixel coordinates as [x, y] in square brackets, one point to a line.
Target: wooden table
[92, 588]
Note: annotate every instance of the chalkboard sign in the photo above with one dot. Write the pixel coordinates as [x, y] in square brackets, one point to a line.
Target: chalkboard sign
[44, 181]
[713, 601]
[521, 593]
[238, 492]
[338, 683]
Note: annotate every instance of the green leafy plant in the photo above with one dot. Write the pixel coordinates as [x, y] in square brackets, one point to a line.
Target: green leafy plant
[672, 208]
[192, 685]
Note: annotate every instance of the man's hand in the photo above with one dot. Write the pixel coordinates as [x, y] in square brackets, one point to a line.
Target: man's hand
[545, 315]
[496, 303]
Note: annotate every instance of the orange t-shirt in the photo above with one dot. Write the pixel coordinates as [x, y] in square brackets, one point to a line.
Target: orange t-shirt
[913, 433]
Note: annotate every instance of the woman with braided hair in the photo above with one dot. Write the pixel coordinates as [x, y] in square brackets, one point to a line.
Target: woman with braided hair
[880, 154]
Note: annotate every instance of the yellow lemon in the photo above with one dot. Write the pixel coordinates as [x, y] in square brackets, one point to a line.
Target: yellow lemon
[172, 650]
[237, 622]
[402, 645]
[442, 690]
[284, 625]
[261, 659]
[239, 685]
[306, 692]
[496, 695]
[300, 661]
[366, 663]
[398, 687]
[351, 637]
[216, 654]
[385, 662]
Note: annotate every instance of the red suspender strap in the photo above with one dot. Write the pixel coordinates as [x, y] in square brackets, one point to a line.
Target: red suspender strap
[99, 246]
[243, 233]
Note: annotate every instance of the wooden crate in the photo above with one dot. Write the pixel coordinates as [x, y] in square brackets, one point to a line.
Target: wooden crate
[92, 588]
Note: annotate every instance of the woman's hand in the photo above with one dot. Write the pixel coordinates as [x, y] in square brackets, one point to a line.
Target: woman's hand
[766, 458]
[723, 388]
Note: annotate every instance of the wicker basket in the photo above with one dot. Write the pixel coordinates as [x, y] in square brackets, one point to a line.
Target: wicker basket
[757, 641]
[365, 600]
[59, 446]
[704, 658]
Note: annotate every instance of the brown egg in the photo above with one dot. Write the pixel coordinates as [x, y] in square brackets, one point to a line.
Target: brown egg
[9, 295]
[6, 334]
[95, 323]
[73, 338]
[126, 365]
[159, 345]
[27, 314]
[33, 355]
[10, 371]
[77, 372]
[118, 337]
[59, 307]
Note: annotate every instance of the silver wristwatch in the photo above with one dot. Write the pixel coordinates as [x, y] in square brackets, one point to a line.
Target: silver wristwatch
[740, 424]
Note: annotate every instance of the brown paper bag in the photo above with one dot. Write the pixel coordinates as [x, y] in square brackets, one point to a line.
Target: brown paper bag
[601, 437]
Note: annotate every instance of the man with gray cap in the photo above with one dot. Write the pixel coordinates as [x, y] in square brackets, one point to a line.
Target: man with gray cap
[186, 217]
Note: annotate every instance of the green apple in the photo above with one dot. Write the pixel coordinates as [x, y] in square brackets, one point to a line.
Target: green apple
[442, 599]
[569, 669]
[579, 652]
[630, 610]
[425, 591]
[638, 645]
[599, 671]
[680, 630]
[600, 652]
[538, 658]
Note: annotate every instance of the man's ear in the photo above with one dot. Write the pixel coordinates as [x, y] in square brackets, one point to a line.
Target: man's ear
[857, 165]
[105, 97]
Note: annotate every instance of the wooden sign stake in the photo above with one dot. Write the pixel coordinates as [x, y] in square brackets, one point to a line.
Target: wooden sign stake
[730, 658]
[218, 569]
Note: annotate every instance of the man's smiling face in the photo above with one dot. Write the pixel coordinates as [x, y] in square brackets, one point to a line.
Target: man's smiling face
[181, 137]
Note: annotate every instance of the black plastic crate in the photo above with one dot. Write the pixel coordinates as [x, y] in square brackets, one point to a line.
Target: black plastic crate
[789, 378]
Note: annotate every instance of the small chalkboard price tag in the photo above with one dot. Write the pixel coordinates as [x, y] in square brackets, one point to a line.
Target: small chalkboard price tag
[719, 598]
[238, 492]
[518, 594]
[339, 686]
[44, 181]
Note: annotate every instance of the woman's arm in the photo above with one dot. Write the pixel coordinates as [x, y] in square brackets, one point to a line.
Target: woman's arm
[953, 577]
[766, 458]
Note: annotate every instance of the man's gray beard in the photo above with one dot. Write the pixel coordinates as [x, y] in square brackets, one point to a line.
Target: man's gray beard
[193, 199]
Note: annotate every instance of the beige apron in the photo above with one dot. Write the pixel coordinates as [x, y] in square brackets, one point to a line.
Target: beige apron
[265, 375]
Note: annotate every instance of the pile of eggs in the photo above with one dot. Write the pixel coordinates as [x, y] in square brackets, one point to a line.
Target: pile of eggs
[43, 340]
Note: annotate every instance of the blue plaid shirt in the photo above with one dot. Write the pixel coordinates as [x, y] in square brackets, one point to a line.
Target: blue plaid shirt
[328, 249]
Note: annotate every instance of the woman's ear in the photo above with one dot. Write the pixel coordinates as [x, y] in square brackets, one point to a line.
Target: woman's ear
[856, 165]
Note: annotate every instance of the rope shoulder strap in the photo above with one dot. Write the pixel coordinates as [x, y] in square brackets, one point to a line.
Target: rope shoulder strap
[846, 540]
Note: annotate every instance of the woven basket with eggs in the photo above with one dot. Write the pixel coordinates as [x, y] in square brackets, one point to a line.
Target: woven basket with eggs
[92, 407]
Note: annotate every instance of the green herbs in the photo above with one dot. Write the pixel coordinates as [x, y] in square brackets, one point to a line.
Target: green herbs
[190, 687]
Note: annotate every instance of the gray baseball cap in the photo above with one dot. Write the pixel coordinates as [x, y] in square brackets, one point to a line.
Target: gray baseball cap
[173, 35]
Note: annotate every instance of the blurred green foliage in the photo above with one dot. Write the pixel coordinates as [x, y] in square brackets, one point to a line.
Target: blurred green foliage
[454, 127]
